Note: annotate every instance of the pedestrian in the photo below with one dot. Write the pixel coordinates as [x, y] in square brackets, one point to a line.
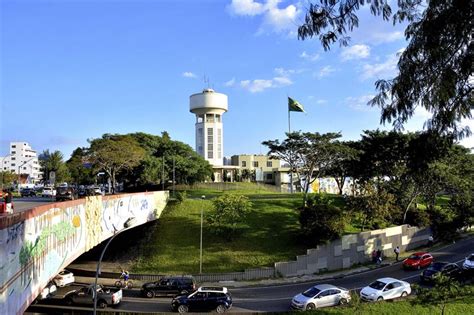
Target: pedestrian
[379, 256]
[397, 252]
[9, 202]
[374, 256]
[430, 240]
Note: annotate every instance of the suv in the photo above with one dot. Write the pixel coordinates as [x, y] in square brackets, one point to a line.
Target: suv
[65, 193]
[204, 299]
[169, 285]
[28, 192]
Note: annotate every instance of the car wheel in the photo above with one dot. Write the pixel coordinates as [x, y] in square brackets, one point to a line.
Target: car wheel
[404, 294]
[310, 307]
[102, 304]
[380, 298]
[149, 294]
[183, 309]
[118, 284]
[129, 285]
[220, 309]
[342, 301]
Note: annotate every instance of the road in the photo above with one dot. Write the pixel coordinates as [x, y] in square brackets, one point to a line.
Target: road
[22, 204]
[276, 298]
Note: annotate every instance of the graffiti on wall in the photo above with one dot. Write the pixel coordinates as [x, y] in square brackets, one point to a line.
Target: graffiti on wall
[34, 250]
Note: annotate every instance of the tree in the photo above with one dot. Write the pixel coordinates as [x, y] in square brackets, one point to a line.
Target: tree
[435, 70]
[114, 153]
[81, 170]
[7, 178]
[229, 212]
[320, 221]
[309, 155]
[53, 162]
[342, 163]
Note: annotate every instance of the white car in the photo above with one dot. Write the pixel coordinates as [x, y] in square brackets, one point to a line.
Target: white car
[47, 291]
[385, 289]
[63, 278]
[320, 295]
[469, 262]
[48, 192]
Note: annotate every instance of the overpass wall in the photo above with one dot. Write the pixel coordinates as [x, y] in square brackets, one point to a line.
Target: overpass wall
[36, 244]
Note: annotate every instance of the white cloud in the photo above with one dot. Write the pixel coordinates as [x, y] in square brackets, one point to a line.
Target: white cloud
[246, 7]
[324, 72]
[381, 38]
[386, 69]
[355, 52]
[321, 102]
[231, 82]
[359, 103]
[275, 19]
[282, 81]
[256, 85]
[189, 75]
[310, 57]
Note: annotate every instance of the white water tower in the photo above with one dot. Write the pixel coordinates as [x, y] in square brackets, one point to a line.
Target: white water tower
[209, 107]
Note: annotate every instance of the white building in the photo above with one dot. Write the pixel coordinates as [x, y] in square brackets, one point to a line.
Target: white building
[22, 160]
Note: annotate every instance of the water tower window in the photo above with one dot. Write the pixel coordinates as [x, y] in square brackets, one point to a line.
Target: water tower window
[209, 118]
[210, 143]
[218, 118]
[200, 118]
[219, 143]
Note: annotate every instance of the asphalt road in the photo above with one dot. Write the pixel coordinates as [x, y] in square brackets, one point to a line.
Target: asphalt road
[22, 204]
[275, 298]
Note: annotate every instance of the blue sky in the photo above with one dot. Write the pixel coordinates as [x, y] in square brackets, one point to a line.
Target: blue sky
[74, 70]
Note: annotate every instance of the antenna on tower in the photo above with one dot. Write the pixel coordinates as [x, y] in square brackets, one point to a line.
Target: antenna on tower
[206, 81]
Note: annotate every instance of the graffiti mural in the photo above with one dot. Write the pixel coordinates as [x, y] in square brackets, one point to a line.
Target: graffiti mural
[36, 244]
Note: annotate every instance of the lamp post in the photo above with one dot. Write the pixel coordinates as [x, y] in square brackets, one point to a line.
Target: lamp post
[200, 247]
[116, 232]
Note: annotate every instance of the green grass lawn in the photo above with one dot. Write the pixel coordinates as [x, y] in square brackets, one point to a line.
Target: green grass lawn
[458, 306]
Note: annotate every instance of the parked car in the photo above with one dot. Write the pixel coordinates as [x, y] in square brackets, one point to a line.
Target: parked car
[169, 285]
[48, 192]
[63, 278]
[204, 299]
[469, 263]
[66, 193]
[448, 269]
[105, 296]
[320, 295]
[385, 289]
[417, 261]
[47, 292]
[28, 192]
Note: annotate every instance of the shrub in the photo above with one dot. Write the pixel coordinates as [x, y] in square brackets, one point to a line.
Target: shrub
[181, 196]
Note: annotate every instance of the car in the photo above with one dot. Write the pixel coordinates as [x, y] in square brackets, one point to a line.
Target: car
[468, 263]
[320, 295]
[48, 192]
[203, 299]
[47, 291]
[63, 278]
[448, 269]
[169, 285]
[28, 192]
[66, 193]
[417, 261]
[385, 289]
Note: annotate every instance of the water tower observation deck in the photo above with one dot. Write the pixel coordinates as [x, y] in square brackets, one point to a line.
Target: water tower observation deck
[208, 102]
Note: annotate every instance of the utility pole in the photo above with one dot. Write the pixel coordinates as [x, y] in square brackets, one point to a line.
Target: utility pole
[200, 247]
[174, 175]
[163, 174]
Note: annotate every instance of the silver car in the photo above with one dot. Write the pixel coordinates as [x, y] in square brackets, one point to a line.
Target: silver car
[385, 289]
[320, 295]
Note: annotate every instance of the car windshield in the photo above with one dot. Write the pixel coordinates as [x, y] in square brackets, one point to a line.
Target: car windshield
[414, 257]
[471, 258]
[311, 292]
[377, 285]
[437, 266]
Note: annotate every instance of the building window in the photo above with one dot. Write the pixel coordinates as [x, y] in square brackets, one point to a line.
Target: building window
[13, 152]
[218, 118]
[200, 118]
[255, 163]
[209, 118]
[244, 164]
[13, 158]
[219, 143]
[269, 163]
[13, 164]
[210, 143]
[13, 146]
[269, 176]
[24, 168]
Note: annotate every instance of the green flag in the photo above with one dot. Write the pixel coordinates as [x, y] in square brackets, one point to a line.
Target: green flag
[294, 106]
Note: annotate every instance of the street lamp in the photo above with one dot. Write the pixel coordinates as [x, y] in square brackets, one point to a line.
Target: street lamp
[127, 226]
[200, 247]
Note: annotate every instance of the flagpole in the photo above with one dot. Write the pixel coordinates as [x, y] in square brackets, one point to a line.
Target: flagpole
[291, 164]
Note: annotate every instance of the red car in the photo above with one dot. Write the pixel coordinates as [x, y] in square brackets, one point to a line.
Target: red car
[418, 261]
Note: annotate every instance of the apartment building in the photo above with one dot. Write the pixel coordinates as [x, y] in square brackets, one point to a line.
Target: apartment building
[22, 160]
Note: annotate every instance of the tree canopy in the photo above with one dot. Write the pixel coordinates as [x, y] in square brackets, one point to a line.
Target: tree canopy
[435, 69]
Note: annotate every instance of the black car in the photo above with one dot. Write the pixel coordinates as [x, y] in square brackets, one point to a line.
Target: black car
[66, 193]
[217, 299]
[169, 285]
[448, 269]
[28, 192]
